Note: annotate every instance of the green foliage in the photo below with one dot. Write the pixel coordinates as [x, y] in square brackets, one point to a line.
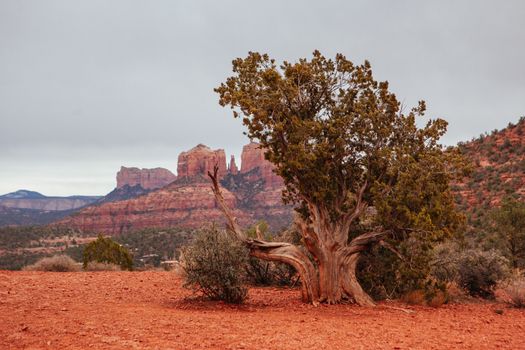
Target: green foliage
[328, 126]
[215, 265]
[384, 275]
[508, 222]
[56, 263]
[15, 237]
[105, 250]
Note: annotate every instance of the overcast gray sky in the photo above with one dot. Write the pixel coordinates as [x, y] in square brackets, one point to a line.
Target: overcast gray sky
[88, 86]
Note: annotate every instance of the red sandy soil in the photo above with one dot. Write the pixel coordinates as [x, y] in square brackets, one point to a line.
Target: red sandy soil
[150, 310]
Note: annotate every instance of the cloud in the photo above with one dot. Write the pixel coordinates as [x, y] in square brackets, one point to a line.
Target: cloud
[113, 77]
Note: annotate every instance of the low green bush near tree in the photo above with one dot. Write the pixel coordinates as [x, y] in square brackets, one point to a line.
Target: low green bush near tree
[105, 250]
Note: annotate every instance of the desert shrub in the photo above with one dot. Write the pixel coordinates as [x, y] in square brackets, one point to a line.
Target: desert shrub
[105, 250]
[480, 271]
[515, 292]
[215, 264]
[475, 270]
[101, 266]
[56, 263]
[384, 275]
[444, 263]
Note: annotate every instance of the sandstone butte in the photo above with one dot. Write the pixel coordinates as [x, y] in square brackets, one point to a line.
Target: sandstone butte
[148, 179]
[187, 200]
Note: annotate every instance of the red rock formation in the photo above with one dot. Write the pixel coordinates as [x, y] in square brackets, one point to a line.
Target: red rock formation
[148, 179]
[255, 193]
[199, 160]
[188, 204]
[232, 168]
[252, 157]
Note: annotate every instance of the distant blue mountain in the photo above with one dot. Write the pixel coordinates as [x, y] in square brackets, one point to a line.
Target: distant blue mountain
[23, 194]
[26, 194]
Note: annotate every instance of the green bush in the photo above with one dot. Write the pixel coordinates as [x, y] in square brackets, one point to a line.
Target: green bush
[105, 250]
[475, 270]
[215, 264]
[56, 263]
[384, 275]
[480, 271]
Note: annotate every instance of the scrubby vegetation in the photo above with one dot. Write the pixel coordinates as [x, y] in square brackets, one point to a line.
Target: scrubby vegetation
[105, 250]
[498, 164]
[480, 271]
[57, 263]
[151, 246]
[12, 238]
[215, 264]
[22, 246]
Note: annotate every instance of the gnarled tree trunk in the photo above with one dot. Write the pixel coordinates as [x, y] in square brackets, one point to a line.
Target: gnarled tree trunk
[334, 280]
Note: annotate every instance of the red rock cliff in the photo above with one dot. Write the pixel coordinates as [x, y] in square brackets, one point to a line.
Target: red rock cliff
[199, 160]
[253, 157]
[182, 203]
[188, 201]
[232, 168]
[148, 179]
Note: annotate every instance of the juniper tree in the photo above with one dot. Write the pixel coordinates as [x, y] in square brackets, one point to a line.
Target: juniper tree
[345, 149]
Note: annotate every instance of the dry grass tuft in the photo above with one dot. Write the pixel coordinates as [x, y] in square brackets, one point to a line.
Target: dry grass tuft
[455, 293]
[415, 297]
[57, 263]
[515, 292]
[439, 299]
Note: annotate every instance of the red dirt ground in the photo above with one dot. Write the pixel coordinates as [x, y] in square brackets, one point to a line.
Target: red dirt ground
[150, 310]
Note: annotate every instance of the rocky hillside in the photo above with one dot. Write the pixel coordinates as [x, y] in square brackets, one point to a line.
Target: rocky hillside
[254, 192]
[498, 161]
